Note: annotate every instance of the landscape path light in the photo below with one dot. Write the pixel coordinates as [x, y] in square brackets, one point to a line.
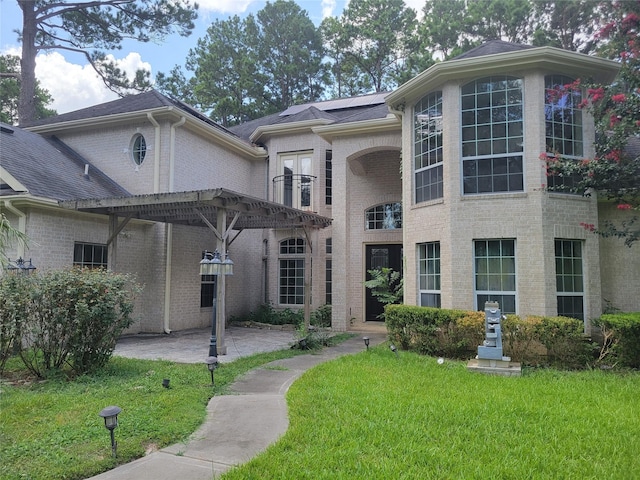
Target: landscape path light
[110, 415]
[212, 363]
[366, 342]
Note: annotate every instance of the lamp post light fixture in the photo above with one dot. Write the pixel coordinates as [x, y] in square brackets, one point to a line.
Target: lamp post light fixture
[212, 264]
[212, 364]
[366, 341]
[21, 266]
[110, 415]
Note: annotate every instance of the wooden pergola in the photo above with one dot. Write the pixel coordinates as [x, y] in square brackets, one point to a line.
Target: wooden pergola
[222, 211]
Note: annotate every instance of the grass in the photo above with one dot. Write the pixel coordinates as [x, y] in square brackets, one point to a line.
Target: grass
[51, 429]
[373, 416]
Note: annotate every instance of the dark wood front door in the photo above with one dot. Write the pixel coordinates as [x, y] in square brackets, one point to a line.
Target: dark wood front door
[380, 256]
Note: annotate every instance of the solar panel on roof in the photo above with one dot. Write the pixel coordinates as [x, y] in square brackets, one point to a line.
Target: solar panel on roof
[338, 104]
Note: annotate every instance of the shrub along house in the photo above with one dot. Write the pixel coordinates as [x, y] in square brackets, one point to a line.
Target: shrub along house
[440, 180]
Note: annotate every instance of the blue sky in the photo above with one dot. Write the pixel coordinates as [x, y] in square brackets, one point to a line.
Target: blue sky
[74, 85]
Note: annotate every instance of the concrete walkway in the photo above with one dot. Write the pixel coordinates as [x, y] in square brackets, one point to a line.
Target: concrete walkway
[240, 425]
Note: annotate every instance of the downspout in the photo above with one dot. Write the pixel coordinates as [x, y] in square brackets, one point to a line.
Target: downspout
[167, 273]
[22, 223]
[156, 153]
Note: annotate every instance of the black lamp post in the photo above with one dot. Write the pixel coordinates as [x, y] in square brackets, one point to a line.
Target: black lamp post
[212, 264]
[110, 415]
[20, 266]
[366, 341]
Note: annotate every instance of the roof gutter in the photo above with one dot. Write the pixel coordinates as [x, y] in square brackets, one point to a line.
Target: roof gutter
[366, 127]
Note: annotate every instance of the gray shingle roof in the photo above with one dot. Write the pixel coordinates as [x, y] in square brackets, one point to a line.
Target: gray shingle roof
[133, 103]
[492, 47]
[50, 169]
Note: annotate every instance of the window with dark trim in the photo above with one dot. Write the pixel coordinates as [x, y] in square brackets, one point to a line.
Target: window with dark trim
[328, 177]
[90, 255]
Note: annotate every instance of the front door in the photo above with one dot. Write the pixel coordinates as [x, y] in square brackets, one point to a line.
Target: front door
[380, 256]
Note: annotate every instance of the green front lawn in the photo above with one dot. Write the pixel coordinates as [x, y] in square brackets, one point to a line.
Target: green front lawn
[51, 429]
[372, 416]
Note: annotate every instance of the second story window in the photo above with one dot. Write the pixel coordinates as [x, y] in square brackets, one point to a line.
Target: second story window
[492, 135]
[293, 186]
[428, 148]
[563, 125]
[387, 216]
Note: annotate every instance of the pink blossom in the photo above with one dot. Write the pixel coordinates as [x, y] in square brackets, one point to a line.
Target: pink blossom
[624, 206]
[596, 94]
[619, 98]
[588, 226]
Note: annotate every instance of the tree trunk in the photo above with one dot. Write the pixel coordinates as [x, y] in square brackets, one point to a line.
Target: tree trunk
[26, 102]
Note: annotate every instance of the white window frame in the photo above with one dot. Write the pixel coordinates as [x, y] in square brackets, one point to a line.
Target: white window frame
[428, 149]
[570, 280]
[494, 276]
[291, 256]
[429, 272]
[492, 145]
[300, 193]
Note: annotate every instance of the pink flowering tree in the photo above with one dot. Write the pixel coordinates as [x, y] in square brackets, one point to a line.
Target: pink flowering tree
[614, 172]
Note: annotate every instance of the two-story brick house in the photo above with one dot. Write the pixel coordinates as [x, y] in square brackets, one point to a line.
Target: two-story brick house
[440, 179]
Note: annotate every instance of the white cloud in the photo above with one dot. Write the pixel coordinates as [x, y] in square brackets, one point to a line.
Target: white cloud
[328, 6]
[75, 86]
[224, 6]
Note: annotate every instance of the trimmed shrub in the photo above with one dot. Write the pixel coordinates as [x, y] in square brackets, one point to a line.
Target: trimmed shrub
[73, 317]
[14, 307]
[621, 333]
[519, 339]
[435, 331]
[564, 340]
[321, 317]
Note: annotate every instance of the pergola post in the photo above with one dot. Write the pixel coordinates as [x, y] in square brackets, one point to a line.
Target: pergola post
[221, 318]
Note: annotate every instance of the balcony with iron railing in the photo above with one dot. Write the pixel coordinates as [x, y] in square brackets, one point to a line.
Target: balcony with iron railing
[294, 190]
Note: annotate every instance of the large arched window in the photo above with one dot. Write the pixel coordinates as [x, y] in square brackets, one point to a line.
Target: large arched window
[291, 282]
[492, 135]
[387, 216]
[427, 149]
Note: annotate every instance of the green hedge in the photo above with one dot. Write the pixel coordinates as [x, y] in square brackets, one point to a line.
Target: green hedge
[64, 318]
[532, 340]
[621, 338]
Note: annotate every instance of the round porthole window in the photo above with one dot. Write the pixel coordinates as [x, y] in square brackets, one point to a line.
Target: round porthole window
[138, 149]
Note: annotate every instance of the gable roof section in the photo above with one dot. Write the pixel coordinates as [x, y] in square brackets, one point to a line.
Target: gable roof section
[149, 106]
[47, 168]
